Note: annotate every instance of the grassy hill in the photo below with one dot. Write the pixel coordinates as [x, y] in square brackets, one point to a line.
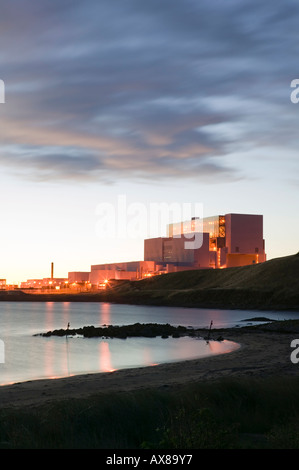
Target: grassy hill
[270, 285]
[273, 285]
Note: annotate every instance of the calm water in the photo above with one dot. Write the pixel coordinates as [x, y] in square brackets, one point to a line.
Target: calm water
[30, 357]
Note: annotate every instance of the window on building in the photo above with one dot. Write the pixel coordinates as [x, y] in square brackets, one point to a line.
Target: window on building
[237, 249]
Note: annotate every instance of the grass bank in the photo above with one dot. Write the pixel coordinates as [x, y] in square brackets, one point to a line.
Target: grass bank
[273, 285]
[230, 413]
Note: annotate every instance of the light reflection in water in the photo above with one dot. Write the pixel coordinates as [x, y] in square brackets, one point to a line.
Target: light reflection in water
[29, 357]
[216, 347]
[66, 356]
[49, 315]
[148, 357]
[105, 357]
[48, 357]
[105, 313]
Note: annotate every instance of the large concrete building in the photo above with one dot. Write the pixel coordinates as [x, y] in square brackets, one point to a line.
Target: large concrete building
[173, 251]
[45, 283]
[78, 277]
[131, 270]
[227, 240]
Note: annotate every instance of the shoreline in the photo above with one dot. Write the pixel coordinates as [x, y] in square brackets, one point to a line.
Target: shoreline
[220, 299]
[264, 352]
[271, 285]
[231, 304]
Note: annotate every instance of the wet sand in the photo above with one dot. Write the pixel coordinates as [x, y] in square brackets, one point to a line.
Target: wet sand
[261, 354]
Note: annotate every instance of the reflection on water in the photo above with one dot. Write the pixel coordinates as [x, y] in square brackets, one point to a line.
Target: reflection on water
[62, 357]
[105, 358]
[105, 314]
[225, 346]
[30, 357]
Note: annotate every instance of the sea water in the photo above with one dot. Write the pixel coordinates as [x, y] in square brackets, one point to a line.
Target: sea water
[28, 356]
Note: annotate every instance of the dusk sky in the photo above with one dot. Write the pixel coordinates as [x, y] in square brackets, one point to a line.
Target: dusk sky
[156, 101]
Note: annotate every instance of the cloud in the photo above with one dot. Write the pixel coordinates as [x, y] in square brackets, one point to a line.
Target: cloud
[84, 166]
[97, 91]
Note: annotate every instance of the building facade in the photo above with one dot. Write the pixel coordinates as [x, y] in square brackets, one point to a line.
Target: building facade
[131, 270]
[178, 251]
[227, 241]
[45, 283]
[78, 276]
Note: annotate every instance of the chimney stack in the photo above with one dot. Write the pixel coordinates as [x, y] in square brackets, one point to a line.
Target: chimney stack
[52, 270]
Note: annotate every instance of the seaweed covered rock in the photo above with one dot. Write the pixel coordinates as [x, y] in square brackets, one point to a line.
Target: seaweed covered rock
[147, 330]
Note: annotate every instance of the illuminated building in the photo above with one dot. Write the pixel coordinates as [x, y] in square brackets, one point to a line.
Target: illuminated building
[130, 270]
[174, 251]
[45, 283]
[227, 240]
[78, 276]
[220, 241]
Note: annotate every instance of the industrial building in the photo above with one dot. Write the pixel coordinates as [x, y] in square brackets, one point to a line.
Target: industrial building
[227, 240]
[78, 277]
[171, 252]
[47, 283]
[131, 270]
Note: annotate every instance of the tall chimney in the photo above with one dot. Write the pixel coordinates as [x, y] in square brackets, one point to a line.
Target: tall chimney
[52, 270]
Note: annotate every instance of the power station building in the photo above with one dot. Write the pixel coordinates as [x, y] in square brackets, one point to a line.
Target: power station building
[46, 283]
[130, 270]
[217, 242]
[226, 241]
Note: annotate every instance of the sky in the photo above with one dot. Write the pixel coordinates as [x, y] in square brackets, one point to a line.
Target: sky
[116, 106]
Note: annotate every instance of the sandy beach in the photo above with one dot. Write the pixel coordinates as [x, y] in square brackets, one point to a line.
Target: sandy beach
[261, 354]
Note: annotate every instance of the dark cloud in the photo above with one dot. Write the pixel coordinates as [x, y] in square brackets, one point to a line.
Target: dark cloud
[136, 89]
[37, 165]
